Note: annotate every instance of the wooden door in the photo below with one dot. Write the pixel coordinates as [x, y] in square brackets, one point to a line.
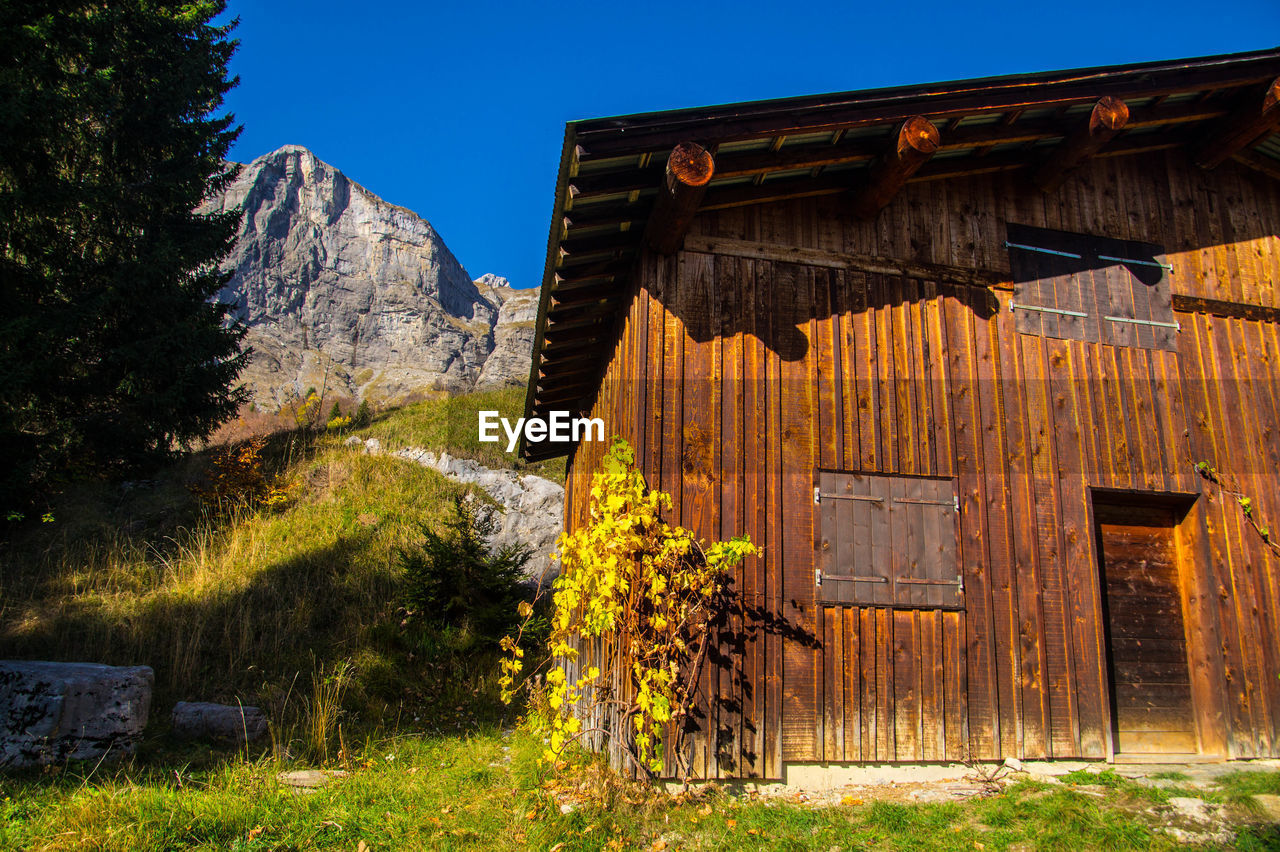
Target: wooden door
[1151, 710]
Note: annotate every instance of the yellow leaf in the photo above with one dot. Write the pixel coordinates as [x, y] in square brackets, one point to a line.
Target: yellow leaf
[705, 810]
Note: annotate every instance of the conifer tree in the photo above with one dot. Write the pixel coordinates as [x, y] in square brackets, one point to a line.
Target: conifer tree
[113, 351]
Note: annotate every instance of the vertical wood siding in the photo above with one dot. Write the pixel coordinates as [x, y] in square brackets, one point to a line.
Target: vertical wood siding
[739, 379]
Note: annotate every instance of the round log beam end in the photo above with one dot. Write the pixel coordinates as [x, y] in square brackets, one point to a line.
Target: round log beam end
[1109, 114]
[918, 135]
[691, 164]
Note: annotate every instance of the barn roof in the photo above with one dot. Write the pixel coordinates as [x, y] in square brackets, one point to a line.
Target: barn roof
[611, 169]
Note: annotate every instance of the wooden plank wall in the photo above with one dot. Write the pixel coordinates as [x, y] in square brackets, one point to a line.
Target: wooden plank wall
[738, 378]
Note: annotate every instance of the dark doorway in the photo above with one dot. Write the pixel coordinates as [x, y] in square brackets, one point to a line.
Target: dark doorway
[1151, 708]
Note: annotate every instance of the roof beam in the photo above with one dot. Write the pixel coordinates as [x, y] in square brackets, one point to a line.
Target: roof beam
[1109, 117]
[613, 245]
[569, 350]
[562, 315]
[607, 214]
[575, 377]
[563, 300]
[752, 163]
[569, 395]
[755, 163]
[583, 276]
[1257, 117]
[689, 170]
[915, 142]
[1259, 163]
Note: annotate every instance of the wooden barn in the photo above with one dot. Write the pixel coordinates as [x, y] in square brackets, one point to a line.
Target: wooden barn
[990, 369]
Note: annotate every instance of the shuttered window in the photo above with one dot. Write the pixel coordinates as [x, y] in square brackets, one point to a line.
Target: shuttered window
[1081, 287]
[888, 541]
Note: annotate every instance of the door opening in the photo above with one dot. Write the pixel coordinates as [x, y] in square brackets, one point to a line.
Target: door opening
[1147, 669]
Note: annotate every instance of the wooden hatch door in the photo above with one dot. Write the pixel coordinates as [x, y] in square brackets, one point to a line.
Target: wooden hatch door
[1151, 708]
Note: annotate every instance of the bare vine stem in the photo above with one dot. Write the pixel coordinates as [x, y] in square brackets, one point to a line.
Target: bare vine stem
[1228, 485]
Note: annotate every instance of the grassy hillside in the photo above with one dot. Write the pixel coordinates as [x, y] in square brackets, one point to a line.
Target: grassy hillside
[268, 604]
[452, 423]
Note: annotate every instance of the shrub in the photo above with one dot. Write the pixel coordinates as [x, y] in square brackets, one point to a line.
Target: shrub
[363, 416]
[237, 476]
[460, 587]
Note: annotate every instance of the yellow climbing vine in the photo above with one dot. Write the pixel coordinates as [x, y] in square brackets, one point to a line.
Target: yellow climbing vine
[631, 608]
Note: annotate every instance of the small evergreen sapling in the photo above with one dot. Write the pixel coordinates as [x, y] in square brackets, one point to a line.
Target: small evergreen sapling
[456, 583]
[363, 415]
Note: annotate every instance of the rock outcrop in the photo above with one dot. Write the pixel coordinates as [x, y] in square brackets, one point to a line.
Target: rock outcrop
[532, 507]
[510, 360]
[344, 291]
[54, 712]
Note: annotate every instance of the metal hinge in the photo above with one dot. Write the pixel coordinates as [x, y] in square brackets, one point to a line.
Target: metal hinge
[960, 583]
[1174, 325]
[817, 576]
[1015, 306]
[1008, 244]
[1155, 263]
[817, 498]
[955, 501]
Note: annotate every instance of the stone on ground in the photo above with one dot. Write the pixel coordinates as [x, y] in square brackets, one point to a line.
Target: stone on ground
[54, 712]
[309, 780]
[202, 720]
[1269, 806]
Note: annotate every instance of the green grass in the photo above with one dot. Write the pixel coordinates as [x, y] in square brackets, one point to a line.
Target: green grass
[486, 791]
[451, 424]
[1251, 783]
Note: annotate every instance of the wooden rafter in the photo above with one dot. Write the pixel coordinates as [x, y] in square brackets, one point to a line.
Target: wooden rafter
[819, 156]
[589, 275]
[1108, 117]
[915, 142]
[689, 170]
[1256, 118]
[561, 300]
[608, 214]
[613, 245]
[1268, 166]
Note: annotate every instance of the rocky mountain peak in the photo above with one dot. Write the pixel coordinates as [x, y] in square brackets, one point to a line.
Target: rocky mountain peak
[343, 290]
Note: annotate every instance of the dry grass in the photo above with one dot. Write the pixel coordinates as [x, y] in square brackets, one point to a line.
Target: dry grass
[247, 604]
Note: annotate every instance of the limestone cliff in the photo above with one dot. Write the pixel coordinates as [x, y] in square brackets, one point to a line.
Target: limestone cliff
[341, 289]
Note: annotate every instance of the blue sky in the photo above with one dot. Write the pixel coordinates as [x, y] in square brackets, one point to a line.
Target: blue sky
[457, 110]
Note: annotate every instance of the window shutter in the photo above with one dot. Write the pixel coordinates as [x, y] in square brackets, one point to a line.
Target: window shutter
[1081, 287]
[888, 541]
